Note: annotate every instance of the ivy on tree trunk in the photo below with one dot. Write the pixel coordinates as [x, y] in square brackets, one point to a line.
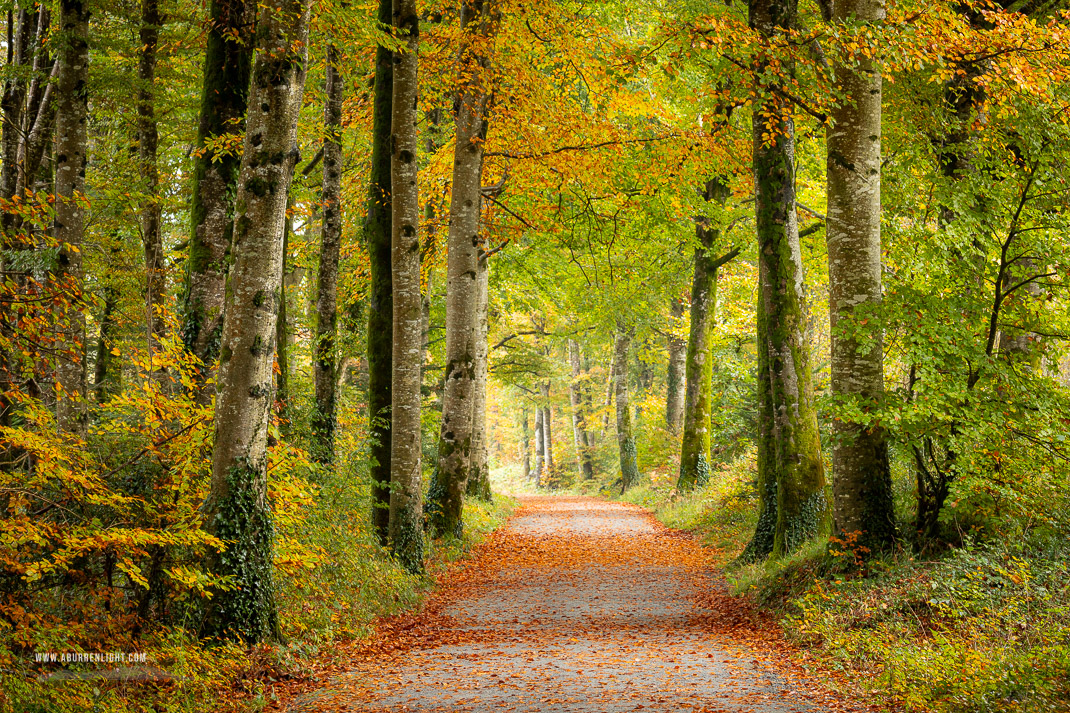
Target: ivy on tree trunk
[237, 510]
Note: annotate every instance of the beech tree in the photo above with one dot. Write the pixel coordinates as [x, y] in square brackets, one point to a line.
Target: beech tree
[72, 109]
[479, 20]
[228, 58]
[378, 232]
[862, 483]
[406, 479]
[324, 423]
[698, 382]
[237, 510]
[628, 454]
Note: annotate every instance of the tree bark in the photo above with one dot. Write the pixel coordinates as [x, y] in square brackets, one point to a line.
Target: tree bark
[147, 143]
[862, 484]
[629, 462]
[406, 504]
[579, 414]
[282, 330]
[72, 109]
[237, 510]
[525, 444]
[764, 538]
[802, 507]
[479, 471]
[105, 381]
[479, 19]
[380, 294]
[324, 419]
[695, 445]
[540, 447]
[675, 394]
[547, 437]
[227, 64]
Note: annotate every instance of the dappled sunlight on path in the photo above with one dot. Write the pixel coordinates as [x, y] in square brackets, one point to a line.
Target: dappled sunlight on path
[577, 605]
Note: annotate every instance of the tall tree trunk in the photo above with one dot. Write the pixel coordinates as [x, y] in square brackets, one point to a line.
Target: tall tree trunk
[547, 436]
[406, 492]
[105, 380]
[674, 398]
[72, 109]
[525, 443]
[862, 483]
[478, 23]
[761, 544]
[377, 230]
[147, 142]
[540, 446]
[629, 461]
[802, 507]
[609, 391]
[19, 30]
[282, 329]
[323, 421]
[224, 94]
[695, 445]
[237, 510]
[579, 414]
[479, 471]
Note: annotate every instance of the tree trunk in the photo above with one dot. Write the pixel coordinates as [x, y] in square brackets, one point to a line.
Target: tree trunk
[540, 447]
[282, 329]
[761, 544]
[862, 484]
[674, 398]
[406, 491]
[547, 437]
[695, 445]
[323, 421]
[478, 23]
[237, 510]
[105, 381]
[525, 444]
[381, 292]
[579, 414]
[72, 109]
[479, 471]
[629, 462]
[21, 27]
[147, 142]
[227, 62]
[802, 507]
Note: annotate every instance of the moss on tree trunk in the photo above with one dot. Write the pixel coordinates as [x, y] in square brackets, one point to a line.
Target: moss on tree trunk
[377, 231]
[237, 510]
[626, 448]
[323, 362]
[224, 95]
[695, 445]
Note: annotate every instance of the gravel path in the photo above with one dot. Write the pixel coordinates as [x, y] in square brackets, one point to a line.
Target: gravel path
[578, 605]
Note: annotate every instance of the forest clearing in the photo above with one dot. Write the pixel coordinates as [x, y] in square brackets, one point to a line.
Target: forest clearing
[571, 355]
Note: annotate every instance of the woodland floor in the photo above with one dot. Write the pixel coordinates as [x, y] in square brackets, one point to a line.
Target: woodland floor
[583, 605]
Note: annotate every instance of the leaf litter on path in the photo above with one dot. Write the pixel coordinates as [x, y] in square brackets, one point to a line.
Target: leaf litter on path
[578, 605]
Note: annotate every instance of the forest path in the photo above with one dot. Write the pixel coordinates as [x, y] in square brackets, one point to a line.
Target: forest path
[577, 605]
